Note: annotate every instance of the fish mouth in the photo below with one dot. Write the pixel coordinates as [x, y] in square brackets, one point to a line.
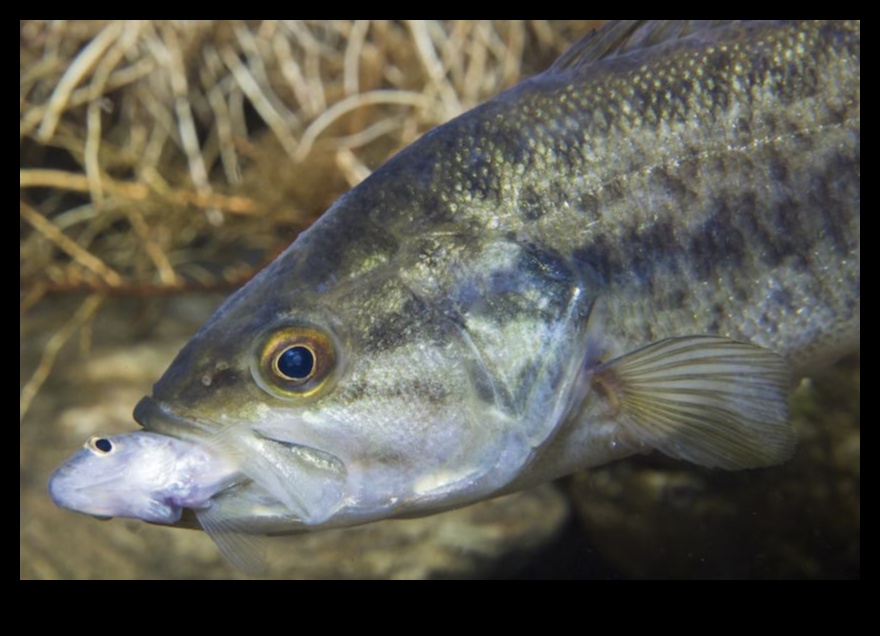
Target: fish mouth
[291, 479]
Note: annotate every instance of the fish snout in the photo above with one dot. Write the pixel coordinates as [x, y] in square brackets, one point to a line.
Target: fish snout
[66, 492]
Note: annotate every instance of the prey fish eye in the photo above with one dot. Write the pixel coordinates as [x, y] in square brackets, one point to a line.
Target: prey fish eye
[100, 446]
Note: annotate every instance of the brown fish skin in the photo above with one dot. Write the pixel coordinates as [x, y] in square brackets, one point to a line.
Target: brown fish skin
[705, 184]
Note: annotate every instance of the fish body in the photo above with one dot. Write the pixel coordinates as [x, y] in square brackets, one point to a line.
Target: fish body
[635, 250]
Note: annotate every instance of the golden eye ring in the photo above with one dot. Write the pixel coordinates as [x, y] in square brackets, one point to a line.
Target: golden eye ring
[296, 361]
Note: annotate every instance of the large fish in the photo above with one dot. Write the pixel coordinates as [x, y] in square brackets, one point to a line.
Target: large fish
[636, 250]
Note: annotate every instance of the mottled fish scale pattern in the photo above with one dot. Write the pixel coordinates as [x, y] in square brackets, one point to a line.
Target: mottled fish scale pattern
[705, 187]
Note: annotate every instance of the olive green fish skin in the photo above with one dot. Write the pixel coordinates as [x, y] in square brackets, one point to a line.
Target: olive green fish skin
[709, 186]
[704, 185]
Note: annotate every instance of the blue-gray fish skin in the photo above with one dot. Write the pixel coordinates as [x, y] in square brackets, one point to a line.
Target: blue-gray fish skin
[635, 250]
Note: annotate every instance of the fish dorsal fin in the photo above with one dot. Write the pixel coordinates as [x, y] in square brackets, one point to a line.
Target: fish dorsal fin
[623, 36]
[707, 400]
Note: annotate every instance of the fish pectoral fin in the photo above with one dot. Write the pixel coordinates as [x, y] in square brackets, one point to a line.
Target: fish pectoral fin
[247, 552]
[708, 400]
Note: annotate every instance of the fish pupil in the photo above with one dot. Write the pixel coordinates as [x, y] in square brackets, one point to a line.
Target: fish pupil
[104, 445]
[297, 363]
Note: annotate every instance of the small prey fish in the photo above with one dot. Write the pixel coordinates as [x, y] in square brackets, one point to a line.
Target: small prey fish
[635, 250]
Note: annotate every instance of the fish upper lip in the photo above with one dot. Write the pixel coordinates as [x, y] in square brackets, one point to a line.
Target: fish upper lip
[156, 417]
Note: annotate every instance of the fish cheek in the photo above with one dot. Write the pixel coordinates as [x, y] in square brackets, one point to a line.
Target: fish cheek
[406, 411]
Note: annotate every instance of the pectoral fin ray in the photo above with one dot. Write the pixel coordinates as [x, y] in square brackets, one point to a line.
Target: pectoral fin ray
[708, 400]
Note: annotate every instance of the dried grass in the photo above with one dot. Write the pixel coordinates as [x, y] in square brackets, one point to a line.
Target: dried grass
[148, 148]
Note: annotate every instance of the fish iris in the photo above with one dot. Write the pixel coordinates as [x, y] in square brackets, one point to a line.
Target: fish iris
[295, 362]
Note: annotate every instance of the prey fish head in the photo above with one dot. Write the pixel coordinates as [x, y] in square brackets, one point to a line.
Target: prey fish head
[138, 475]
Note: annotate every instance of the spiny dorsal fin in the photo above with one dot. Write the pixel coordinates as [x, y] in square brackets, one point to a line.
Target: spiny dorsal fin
[707, 400]
[623, 36]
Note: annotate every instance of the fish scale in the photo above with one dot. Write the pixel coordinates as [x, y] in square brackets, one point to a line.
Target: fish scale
[651, 190]
[636, 250]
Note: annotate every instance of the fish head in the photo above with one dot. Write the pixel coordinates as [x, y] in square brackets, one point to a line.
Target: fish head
[130, 475]
[359, 384]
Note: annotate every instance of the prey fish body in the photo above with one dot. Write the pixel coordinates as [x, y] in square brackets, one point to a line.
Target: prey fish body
[635, 250]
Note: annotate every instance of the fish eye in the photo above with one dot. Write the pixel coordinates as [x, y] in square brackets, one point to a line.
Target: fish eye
[296, 361]
[100, 446]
